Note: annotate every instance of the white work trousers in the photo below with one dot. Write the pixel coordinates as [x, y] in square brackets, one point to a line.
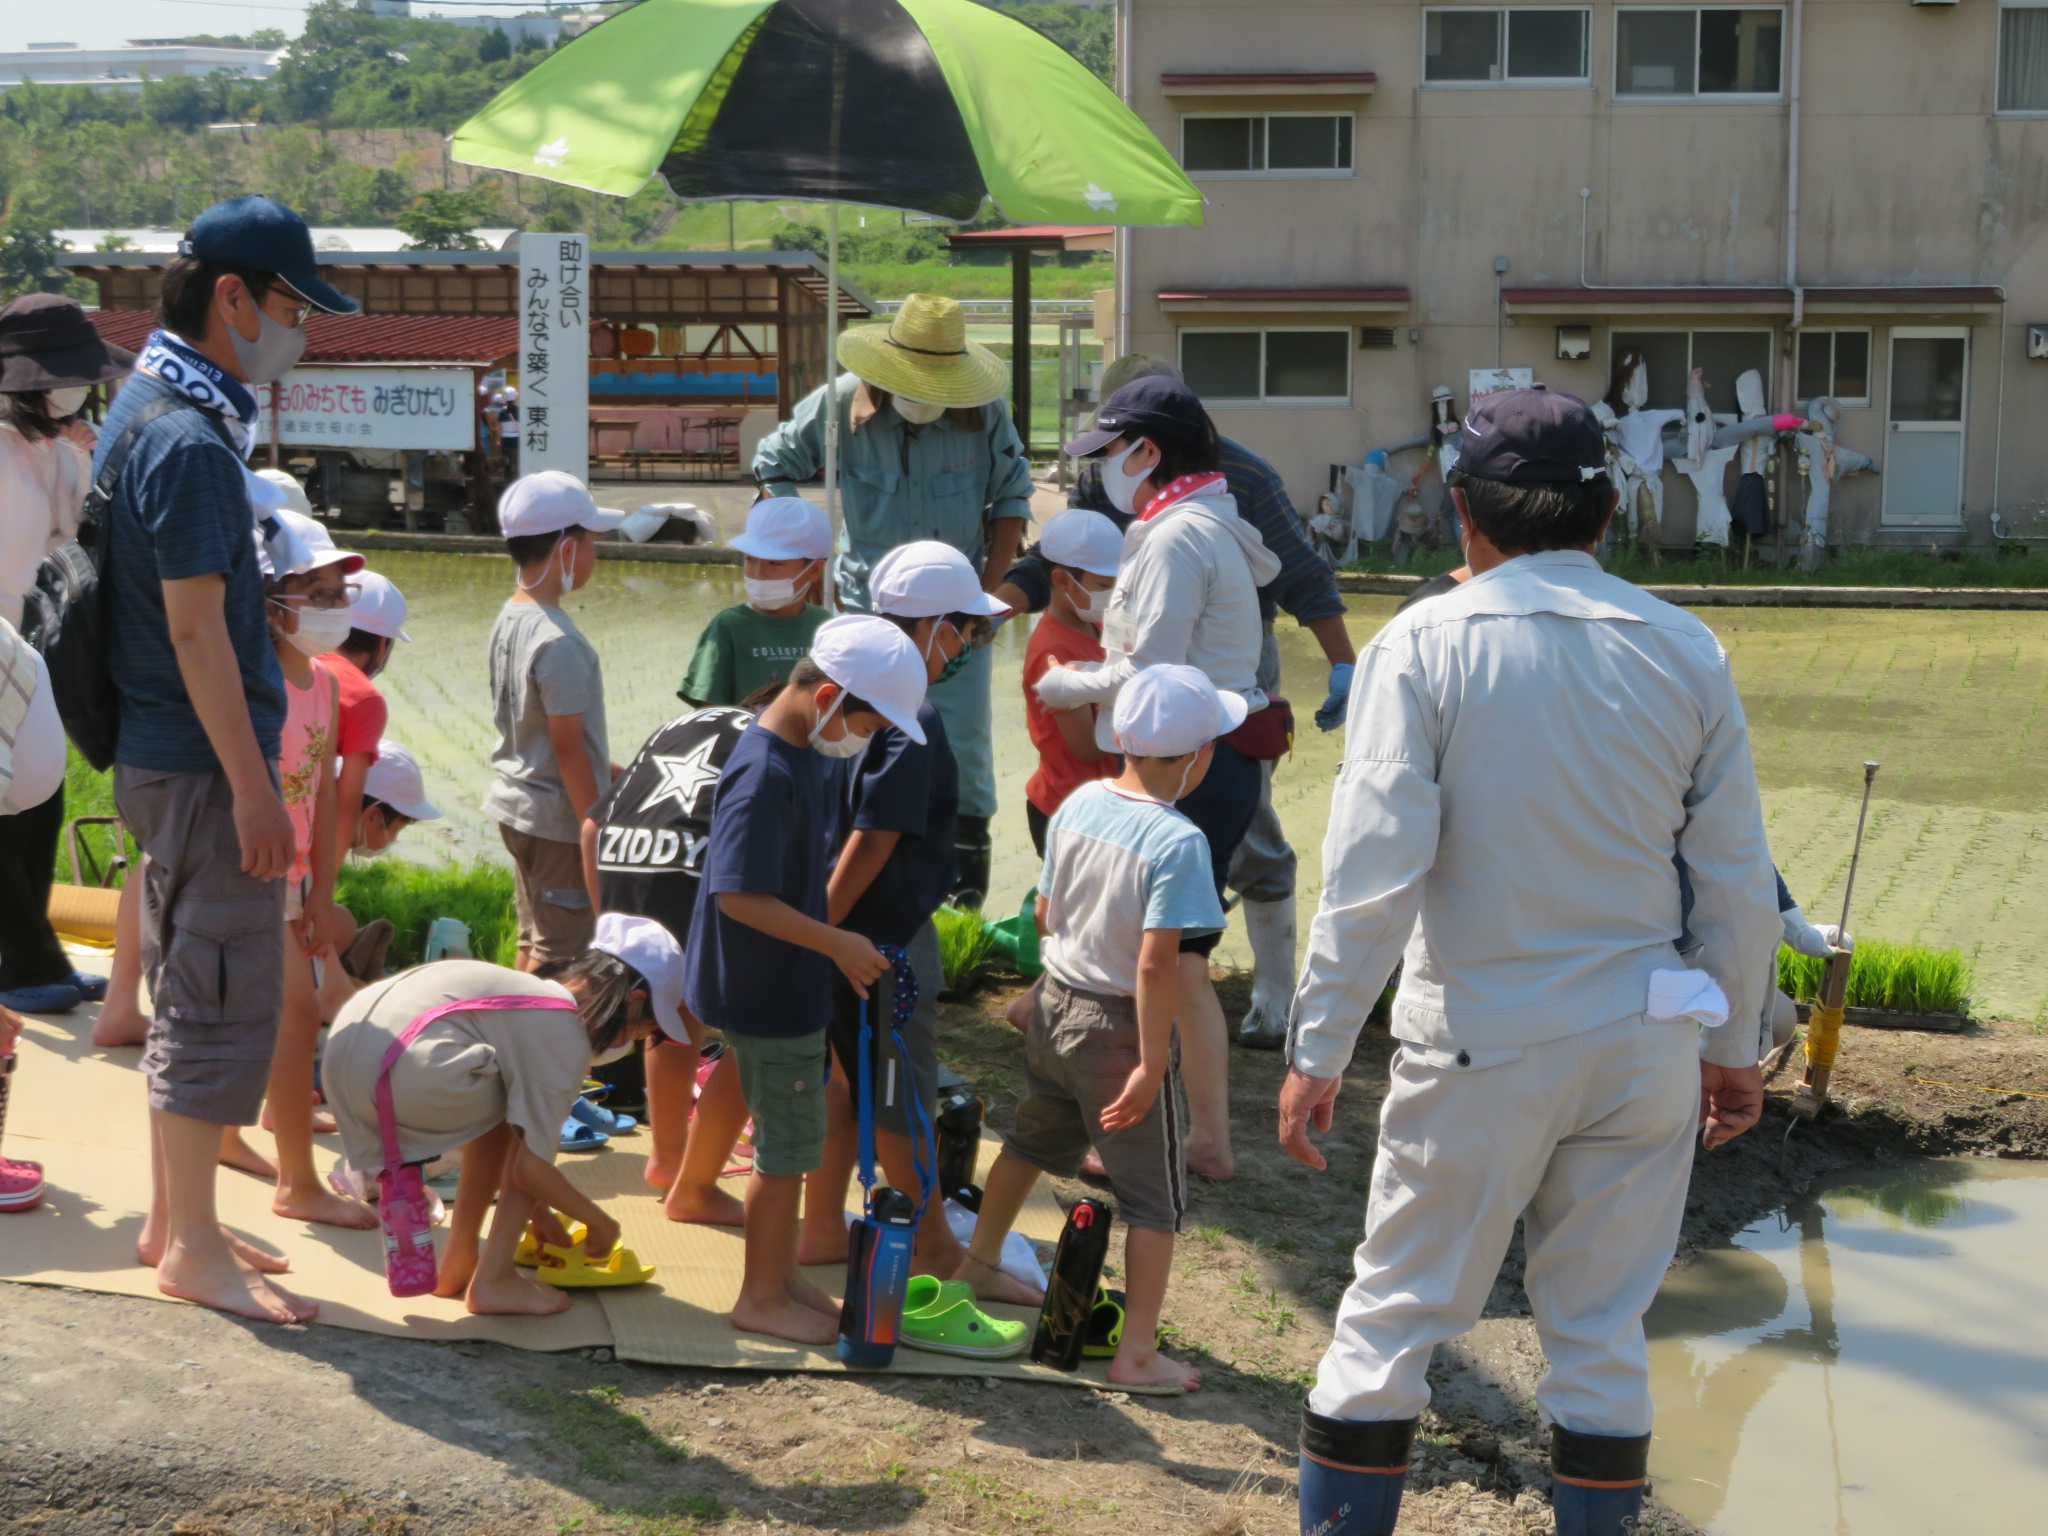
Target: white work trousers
[1589, 1140]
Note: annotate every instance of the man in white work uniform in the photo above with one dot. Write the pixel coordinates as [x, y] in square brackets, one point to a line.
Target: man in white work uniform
[1526, 756]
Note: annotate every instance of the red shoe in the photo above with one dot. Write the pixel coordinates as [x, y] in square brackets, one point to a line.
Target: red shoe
[21, 1184]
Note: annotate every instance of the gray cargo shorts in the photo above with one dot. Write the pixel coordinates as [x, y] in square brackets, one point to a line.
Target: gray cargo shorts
[212, 947]
[1079, 1052]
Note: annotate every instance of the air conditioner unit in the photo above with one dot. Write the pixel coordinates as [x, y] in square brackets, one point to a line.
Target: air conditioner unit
[1376, 338]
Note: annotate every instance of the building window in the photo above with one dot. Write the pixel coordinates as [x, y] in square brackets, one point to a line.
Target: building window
[1835, 363]
[1253, 367]
[1723, 356]
[1503, 46]
[1681, 51]
[2023, 59]
[1269, 144]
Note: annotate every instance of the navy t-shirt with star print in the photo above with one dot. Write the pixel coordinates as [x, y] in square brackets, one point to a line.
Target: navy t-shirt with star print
[654, 823]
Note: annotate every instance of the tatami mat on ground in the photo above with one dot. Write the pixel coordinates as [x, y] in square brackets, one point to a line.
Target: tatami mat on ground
[80, 1110]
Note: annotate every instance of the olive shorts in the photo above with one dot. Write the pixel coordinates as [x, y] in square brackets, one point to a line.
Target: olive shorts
[212, 947]
[556, 918]
[782, 1078]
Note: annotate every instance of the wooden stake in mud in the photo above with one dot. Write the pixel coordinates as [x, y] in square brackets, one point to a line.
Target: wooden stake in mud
[1824, 1022]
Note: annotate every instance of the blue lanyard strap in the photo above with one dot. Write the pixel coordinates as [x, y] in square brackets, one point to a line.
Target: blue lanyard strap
[903, 998]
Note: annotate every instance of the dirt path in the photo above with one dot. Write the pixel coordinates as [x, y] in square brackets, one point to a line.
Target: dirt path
[128, 1416]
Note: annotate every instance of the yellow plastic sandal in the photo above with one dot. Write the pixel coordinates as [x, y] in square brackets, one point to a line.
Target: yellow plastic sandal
[573, 1269]
[527, 1254]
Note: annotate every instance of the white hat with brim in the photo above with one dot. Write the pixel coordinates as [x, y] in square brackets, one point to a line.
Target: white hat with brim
[394, 779]
[651, 950]
[874, 661]
[1083, 540]
[923, 353]
[288, 483]
[379, 608]
[1170, 710]
[925, 579]
[551, 501]
[786, 528]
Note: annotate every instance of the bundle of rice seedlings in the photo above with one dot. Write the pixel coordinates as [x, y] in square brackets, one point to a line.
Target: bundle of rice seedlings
[1909, 978]
[964, 945]
[411, 896]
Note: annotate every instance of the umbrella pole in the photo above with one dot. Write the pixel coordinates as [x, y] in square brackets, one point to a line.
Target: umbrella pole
[831, 359]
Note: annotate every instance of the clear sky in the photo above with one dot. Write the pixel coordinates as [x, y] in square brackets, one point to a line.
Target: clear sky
[109, 23]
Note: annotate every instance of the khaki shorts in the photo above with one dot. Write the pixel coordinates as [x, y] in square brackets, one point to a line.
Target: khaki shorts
[212, 947]
[782, 1078]
[1079, 1052]
[556, 918]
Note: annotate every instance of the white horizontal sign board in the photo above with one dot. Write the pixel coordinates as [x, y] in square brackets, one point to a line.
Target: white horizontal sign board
[421, 408]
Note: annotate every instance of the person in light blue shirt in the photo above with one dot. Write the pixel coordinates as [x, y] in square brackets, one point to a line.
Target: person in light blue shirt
[926, 451]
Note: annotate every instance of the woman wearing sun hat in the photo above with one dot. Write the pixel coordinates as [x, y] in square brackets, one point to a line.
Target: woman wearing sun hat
[926, 451]
[50, 359]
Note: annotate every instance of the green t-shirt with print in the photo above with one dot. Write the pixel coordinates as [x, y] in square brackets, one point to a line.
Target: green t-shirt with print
[742, 648]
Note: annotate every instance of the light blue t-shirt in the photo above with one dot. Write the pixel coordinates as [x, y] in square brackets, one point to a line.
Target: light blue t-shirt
[1115, 866]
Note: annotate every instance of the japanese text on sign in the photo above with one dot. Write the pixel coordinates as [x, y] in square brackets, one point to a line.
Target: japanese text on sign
[414, 408]
[554, 353]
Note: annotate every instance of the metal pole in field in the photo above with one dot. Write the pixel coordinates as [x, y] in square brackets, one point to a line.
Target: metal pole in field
[1824, 1019]
[1020, 344]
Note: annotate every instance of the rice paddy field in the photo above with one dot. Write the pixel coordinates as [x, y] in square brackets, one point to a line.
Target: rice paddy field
[1951, 703]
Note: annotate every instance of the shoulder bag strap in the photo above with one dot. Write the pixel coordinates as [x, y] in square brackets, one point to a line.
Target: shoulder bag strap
[387, 1116]
[93, 532]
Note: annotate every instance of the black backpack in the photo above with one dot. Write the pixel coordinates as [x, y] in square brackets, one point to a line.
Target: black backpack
[64, 614]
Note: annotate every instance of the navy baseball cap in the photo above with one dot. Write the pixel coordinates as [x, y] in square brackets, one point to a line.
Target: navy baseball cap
[1532, 436]
[1149, 407]
[261, 233]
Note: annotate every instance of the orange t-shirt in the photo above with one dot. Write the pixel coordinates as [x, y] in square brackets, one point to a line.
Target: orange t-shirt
[1060, 773]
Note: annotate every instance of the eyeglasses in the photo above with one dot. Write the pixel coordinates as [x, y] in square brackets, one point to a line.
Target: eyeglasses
[326, 602]
[296, 312]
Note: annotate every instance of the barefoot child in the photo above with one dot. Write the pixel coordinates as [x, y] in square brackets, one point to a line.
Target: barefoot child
[376, 624]
[497, 1084]
[895, 806]
[756, 642]
[759, 960]
[308, 611]
[1126, 878]
[547, 692]
[1083, 550]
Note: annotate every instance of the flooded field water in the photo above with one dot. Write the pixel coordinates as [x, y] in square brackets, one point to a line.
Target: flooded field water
[1951, 703]
[1869, 1362]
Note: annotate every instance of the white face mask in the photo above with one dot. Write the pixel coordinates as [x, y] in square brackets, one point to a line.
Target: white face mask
[764, 592]
[320, 629]
[618, 1052]
[848, 745]
[1091, 607]
[66, 402]
[919, 413]
[1120, 487]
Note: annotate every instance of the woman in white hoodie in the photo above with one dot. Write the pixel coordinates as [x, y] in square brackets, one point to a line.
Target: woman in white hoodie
[1188, 594]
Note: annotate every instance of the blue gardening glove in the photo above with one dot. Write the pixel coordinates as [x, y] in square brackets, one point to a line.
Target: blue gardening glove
[1331, 715]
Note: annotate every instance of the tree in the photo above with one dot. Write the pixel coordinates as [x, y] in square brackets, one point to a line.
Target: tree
[443, 221]
[29, 249]
[494, 47]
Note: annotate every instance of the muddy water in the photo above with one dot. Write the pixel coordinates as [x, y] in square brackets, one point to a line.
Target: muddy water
[1953, 703]
[1871, 1362]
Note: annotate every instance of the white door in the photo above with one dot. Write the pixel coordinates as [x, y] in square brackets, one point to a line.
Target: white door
[1923, 460]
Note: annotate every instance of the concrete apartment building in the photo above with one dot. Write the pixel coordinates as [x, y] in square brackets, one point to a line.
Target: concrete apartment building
[1847, 195]
[123, 69]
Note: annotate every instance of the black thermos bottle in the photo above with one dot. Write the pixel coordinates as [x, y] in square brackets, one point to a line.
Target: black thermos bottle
[1070, 1297]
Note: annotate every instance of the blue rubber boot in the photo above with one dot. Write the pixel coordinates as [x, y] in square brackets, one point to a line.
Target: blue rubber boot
[1352, 1474]
[1597, 1481]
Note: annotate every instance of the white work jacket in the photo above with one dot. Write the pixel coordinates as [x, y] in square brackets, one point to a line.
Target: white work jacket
[1524, 759]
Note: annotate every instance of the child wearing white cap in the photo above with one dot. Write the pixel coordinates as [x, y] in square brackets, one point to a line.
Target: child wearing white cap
[376, 623]
[1083, 551]
[755, 643]
[547, 691]
[895, 808]
[1126, 877]
[760, 956]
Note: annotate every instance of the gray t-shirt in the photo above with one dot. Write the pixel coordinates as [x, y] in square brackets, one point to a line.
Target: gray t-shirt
[541, 665]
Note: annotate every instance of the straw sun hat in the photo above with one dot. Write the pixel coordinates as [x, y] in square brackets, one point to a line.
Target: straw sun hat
[924, 353]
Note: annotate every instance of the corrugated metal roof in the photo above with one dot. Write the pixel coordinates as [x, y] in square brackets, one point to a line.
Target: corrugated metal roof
[476, 340]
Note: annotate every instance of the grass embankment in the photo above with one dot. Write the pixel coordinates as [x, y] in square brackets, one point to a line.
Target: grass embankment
[411, 896]
[1910, 978]
[1845, 568]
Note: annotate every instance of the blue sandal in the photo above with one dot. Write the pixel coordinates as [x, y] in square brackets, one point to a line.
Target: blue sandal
[92, 989]
[598, 1118]
[57, 997]
[577, 1137]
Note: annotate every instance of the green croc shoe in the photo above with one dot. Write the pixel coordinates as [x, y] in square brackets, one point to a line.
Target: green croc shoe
[940, 1315]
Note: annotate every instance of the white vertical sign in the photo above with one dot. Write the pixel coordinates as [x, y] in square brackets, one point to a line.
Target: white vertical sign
[554, 353]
